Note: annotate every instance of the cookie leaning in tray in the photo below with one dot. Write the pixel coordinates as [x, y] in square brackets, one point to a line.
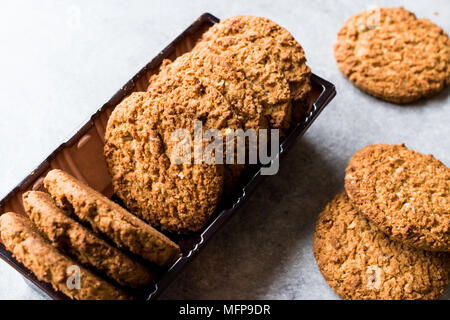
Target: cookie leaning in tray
[392, 55]
[110, 219]
[48, 264]
[280, 42]
[205, 69]
[403, 192]
[263, 70]
[70, 236]
[361, 263]
[138, 150]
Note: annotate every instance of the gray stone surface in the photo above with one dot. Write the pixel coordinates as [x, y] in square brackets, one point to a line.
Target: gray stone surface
[60, 61]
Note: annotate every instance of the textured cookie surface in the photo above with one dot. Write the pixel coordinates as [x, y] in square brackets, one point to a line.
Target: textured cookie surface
[213, 74]
[70, 236]
[207, 72]
[139, 152]
[110, 219]
[361, 263]
[392, 55]
[273, 37]
[264, 72]
[37, 254]
[405, 193]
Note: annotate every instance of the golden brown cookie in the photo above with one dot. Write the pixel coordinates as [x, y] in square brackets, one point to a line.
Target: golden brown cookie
[392, 55]
[403, 192]
[280, 42]
[110, 219]
[48, 264]
[70, 236]
[213, 74]
[264, 72]
[138, 151]
[361, 263]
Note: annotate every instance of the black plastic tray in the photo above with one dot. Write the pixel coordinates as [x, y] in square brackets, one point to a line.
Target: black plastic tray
[323, 92]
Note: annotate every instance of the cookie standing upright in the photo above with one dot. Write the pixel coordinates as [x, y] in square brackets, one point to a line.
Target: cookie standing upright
[403, 192]
[241, 107]
[139, 151]
[263, 71]
[212, 72]
[392, 55]
[361, 263]
[280, 42]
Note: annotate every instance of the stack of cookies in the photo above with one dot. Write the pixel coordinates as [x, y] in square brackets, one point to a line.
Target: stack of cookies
[388, 235]
[244, 73]
[82, 243]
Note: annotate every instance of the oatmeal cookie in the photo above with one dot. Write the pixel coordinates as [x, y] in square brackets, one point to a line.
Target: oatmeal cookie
[392, 55]
[361, 263]
[48, 264]
[110, 219]
[214, 74]
[280, 42]
[139, 152]
[210, 71]
[403, 192]
[263, 71]
[70, 236]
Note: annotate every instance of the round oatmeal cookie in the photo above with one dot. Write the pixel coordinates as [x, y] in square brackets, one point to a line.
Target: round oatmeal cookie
[50, 265]
[403, 192]
[210, 70]
[392, 55]
[276, 39]
[361, 263]
[110, 219]
[206, 69]
[264, 72]
[174, 194]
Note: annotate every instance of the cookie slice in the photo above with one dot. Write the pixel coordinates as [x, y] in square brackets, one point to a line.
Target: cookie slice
[70, 236]
[361, 263]
[392, 55]
[110, 219]
[48, 264]
[280, 42]
[263, 70]
[403, 192]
